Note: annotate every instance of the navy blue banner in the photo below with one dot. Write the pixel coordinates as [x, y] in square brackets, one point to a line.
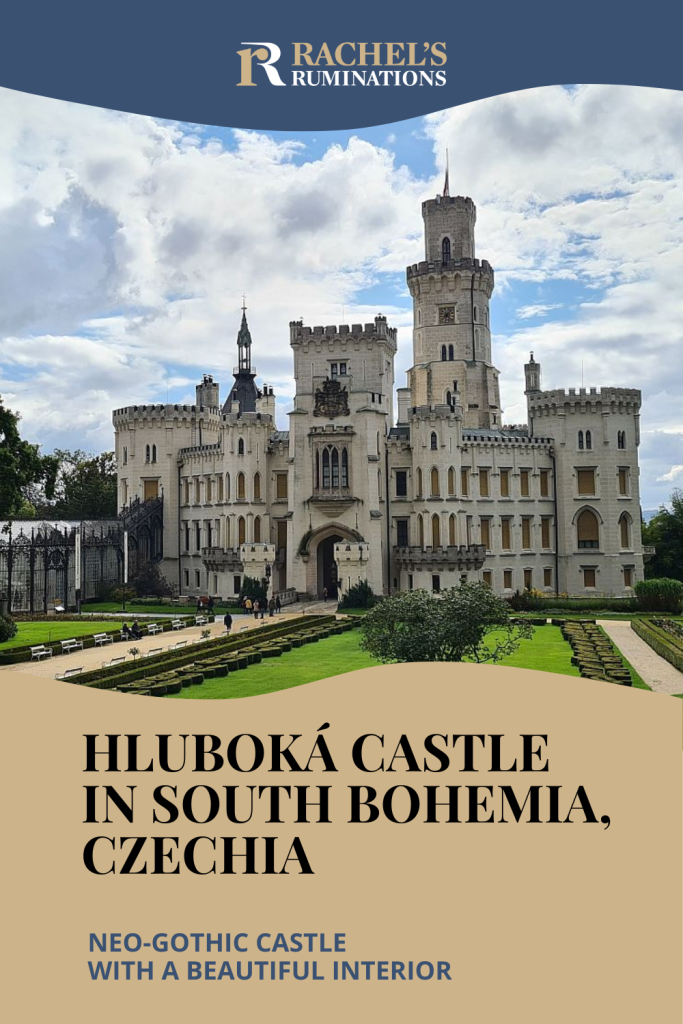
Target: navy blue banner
[319, 66]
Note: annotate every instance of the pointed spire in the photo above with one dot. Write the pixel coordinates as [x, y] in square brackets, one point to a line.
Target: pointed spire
[244, 341]
[446, 187]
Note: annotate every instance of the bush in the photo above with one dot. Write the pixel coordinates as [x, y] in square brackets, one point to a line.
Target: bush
[149, 581]
[361, 595]
[8, 628]
[663, 641]
[253, 589]
[660, 595]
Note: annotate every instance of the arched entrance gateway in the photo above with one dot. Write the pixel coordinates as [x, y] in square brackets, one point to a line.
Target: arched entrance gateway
[328, 578]
[317, 550]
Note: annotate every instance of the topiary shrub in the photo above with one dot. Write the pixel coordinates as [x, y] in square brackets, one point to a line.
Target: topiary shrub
[8, 628]
[660, 595]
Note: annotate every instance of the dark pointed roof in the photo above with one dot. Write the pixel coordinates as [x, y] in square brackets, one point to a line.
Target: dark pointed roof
[244, 389]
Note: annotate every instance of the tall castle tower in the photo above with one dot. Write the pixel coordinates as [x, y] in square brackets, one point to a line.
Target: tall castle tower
[451, 290]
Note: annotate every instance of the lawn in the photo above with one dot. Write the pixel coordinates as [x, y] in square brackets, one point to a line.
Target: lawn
[114, 607]
[338, 654]
[34, 633]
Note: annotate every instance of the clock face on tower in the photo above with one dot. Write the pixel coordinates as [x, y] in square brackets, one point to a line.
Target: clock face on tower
[446, 314]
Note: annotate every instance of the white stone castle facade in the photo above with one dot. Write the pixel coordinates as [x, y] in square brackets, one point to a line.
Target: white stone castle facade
[347, 494]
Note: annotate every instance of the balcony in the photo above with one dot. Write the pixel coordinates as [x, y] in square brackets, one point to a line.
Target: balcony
[332, 501]
[217, 559]
[463, 557]
[649, 551]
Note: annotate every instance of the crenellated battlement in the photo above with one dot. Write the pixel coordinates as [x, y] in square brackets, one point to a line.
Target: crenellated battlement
[298, 332]
[174, 412]
[452, 266]
[585, 399]
[198, 450]
[463, 203]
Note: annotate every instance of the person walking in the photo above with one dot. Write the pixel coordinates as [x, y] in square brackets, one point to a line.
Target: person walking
[325, 594]
[271, 607]
[227, 622]
[278, 604]
[257, 606]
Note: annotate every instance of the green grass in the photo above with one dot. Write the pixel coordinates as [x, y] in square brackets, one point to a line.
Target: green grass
[34, 633]
[150, 609]
[339, 654]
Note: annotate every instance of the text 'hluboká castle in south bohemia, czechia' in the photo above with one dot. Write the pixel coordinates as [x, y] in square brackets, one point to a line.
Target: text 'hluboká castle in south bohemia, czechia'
[347, 494]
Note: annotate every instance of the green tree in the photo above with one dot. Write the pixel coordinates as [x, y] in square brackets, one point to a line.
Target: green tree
[465, 623]
[21, 466]
[149, 581]
[665, 531]
[252, 588]
[86, 486]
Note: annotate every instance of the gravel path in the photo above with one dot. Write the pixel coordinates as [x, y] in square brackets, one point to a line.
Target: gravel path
[654, 670]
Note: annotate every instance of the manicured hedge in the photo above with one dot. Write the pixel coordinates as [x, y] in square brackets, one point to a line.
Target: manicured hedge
[661, 641]
[594, 654]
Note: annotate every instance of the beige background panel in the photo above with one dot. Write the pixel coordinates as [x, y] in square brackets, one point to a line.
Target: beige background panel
[539, 922]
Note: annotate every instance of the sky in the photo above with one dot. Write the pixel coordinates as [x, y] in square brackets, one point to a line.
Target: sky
[126, 244]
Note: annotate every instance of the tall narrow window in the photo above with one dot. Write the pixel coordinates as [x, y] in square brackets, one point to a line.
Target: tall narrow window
[240, 446]
[241, 494]
[147, 453]
[465, 482]
[446, 250]
[623, 482]
[547, 576]
[581, 439]
[451, 353]
[241, 530]
[621, 439]
[589, 440]
[335, 467]
[436, 532]
[506, 534]
[419, 482]
[443, 353]
[326, 468]
[154, 453]
[624, 531]
[451, 481]
[401, 483]
[524, 483]
[434, 479]
[451, 530]
[483, 483]
[449, 399]
[379, 485]
[588, 530]
[505, 483]
[545, 532]
[420, 532]
[589, 578]
[227, 487]
[545, 483]
[485, 533]
[507, 579]
[257, 486]
[526, 533]
[433, 442]
[281, 486]
[257, 530]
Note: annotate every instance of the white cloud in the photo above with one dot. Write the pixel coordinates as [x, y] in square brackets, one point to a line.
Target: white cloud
[672, 475]
[539, 310]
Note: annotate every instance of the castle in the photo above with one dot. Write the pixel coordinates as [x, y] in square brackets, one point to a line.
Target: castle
[347, 494]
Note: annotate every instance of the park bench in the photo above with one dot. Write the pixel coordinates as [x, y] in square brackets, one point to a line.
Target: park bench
[103, 638]
[200, 620]
[41, 652]
[243, 627]
[114, 661]
[181, 643]
[155, 650]
[154, 628]
[177, 624]
[71, 645]
[69, 672]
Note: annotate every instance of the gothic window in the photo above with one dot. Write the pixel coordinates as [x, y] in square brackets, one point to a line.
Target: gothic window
[621, 439]
[257, 530]
[240, 446]
[419, 482]
[474, 312]
[326, 468]
[436, 532]
[624, 531]
[589, 440]
[257, 486]
[434, 442]
[588, 529]
[125, 456]
[227, 532]
[446, 250]
[147, 453]
[451, 481]
[449, 399]
[581, 439]
[154, 453]
[420, 532]
[241, 530]
[227, 487]
[451, 354]
[443, 353]
[335, 467]
[434, 477]
[451, 530]
[240, 487]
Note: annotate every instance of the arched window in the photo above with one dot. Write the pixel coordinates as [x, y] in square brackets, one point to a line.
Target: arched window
[474, 313]
[227, 487]
[335, 467]
[589, 440]
[588, 529]
[378, 442]
[241, 530]
[257, 486]
[154, 453]
[436, 532]
[434, 441]
[449, 399]
[147, 453]
[326, 468]
[446, 250]
[434, 480]
[257, 530]
[451, 354]
[581, 439]
[240, 446]
[443, 353]
[625, 531]
[344, 468]
[240, 487]
[420, 532]
[419, 481]
[226, 530]
[451, 482]
[451, 530]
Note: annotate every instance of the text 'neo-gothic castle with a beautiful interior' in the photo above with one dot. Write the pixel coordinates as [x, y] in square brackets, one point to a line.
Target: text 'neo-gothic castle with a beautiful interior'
[346, 494]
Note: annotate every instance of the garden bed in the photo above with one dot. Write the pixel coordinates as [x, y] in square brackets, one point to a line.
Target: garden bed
[595, 655]
[664, 636]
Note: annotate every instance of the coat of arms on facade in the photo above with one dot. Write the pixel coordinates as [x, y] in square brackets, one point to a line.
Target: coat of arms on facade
[331, 400]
